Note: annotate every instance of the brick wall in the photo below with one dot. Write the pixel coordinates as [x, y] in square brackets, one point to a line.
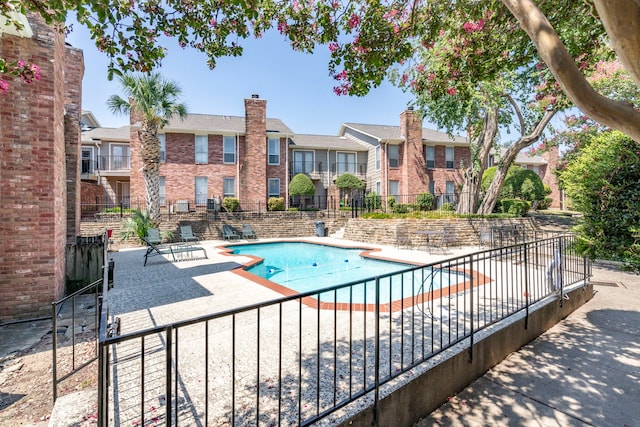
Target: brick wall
[74, 72]
[32, 178]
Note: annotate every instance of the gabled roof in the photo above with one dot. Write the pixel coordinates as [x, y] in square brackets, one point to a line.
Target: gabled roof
[392, 133]
[522, 157]
[208, 123]
[106, 134]
[325, 142]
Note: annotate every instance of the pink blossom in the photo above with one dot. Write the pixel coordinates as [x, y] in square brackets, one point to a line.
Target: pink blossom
[36, 71]
[3, 86]
[333, 46]
[442, 33]
[404, 78]
[452, 91]
[213, 22]
[20, 64]
[431, 76]
[282, 27]
[354, 21]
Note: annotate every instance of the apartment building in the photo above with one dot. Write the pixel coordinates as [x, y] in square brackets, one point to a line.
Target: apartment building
[253, 158]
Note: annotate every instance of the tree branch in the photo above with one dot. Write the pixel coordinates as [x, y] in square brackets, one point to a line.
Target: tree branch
[616, 114]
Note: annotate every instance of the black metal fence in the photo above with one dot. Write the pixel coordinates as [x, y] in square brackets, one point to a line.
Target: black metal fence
[103, 208]
[298, 359]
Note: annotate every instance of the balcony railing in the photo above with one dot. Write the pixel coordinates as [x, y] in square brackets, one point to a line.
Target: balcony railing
[321, 168]
[106, 164]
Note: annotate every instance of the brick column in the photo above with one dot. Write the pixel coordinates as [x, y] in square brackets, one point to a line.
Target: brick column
[33, 194]
[253, 163]
[552, 156]
[413, 170]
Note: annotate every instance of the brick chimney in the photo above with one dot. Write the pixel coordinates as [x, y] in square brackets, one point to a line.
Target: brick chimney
[552, 157]
[414, 179]
[253, 164]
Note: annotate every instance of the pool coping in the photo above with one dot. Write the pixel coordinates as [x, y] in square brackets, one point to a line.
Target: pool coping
[476, 278]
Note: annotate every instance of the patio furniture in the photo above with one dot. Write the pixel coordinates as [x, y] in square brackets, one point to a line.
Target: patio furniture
[432, 239]
[247, 232]
[402, 238]
[228, 233]
[153, 236]
[186, 234]
[172, 249]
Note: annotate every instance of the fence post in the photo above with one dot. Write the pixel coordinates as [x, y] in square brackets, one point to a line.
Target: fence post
[377, 354]
[471, 331]
[526, 284]
[168, 363]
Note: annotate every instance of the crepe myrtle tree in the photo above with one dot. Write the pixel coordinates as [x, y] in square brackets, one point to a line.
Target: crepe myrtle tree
[349, 183]
[156, 100]
[367, 38]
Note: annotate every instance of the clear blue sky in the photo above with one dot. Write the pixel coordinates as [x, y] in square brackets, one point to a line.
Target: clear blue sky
[297, 86]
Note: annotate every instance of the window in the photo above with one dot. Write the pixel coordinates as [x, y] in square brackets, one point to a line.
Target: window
[378, 158]
[119, 157]
[162, 191]
[274, 187]
[229, 187]
[393, 156]
[430, 155]
[87, 160]
[432, 187]
[228, 149]
[302, 162]
[394, 189]
[536, 169]
[378, 188]
[202, 149]
[201, 190]
[450, 192]
[346, 162]
[448, 157]
[274, 151]
[163, 147]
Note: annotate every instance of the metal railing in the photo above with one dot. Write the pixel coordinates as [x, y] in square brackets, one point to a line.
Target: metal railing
[68, 318]
[298, 359]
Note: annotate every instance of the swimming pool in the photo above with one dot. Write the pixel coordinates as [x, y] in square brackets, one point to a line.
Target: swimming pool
[307, 267]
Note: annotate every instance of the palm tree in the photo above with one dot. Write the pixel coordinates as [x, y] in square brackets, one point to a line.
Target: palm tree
[156, 100]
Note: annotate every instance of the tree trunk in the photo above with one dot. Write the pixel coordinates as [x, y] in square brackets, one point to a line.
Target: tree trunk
[150, 154]
[491, 196]
[480, 149]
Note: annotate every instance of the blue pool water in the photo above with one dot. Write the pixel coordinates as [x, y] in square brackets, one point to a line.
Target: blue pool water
[305, 267]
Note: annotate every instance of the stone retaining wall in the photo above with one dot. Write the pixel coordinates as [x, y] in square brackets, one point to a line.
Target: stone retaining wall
[460, 231]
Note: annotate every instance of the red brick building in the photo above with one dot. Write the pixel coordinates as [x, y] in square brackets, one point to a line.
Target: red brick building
[39, 174]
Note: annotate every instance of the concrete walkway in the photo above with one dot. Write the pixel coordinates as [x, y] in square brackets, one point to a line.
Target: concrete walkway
[585, 371]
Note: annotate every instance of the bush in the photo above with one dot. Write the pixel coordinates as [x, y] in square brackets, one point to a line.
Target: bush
[602, 183]
[519, 184]
[400, 208]
[372, 201]
[545, 204]
[301, 185]
[231, 204]
[425, 201]
[391, 202]
[514, 207]
[275, 204]
[447, 207]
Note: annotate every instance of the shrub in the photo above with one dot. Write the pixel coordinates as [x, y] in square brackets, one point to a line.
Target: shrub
[447, 207]
[275, 204]
[514, 207]
[136, 225]
[372, 201]
[399, 208]
[425, 201]
[231, 204]
[301, 185]
[545, 204]
[391, 202]
[519, 184]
